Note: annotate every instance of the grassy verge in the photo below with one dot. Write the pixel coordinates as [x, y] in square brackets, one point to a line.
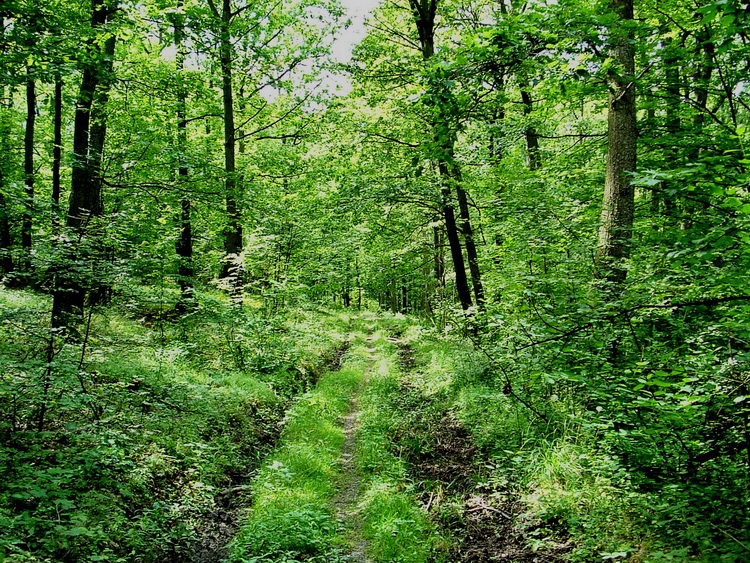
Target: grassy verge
[395, 526]
[133, 447]
[292, 518]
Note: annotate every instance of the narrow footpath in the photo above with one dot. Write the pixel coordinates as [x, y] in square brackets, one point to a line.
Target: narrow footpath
[350, 484]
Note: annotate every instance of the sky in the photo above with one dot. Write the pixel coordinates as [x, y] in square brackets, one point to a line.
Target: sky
[357, 10]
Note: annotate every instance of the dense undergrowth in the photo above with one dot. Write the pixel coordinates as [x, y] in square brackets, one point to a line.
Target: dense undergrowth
[574, 479]
[140, 442]
[133, 443]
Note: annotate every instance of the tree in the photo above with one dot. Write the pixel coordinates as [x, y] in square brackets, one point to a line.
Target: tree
[186, 271]
[444, 132]
[85, 205]
[616, 228]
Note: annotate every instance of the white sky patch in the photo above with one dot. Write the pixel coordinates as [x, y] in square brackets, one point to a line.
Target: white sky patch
[357, 11]
[346, 39]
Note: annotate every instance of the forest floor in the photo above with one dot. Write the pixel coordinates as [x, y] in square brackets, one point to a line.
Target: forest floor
[407, 483]
[323, 436]
[350, 484]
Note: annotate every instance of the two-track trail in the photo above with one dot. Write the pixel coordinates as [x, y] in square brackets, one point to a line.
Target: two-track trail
[333, 491]
[372, 468]
[350, 483]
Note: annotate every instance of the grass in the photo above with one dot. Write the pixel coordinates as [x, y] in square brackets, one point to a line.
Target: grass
[394, 524]
[291, 518]
[146, 429]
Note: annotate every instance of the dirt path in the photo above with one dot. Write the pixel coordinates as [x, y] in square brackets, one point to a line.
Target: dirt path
[350, 485]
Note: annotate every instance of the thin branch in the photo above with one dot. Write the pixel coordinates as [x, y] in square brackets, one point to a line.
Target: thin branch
[387, 138]
[508, 385]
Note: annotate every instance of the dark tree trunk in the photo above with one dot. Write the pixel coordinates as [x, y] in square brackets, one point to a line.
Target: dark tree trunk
[462, 285]
[57, 151]
[186, 272]
[702, 78]
[232, 268]
[495, 147]
[471, 248]
[85, 205]
[439, 262]
[424, 17]
[28, 168]
[533, 158]
[701, 87]
[616, 227]
[673, 125]
[99, 289]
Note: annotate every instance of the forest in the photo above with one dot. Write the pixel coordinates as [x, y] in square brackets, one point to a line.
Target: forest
[476, 291]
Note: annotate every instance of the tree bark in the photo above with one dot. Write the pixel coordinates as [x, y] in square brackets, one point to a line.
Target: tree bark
[232, 268]
[673, 125]
[28, 168]
[85, 205]
[533, 158]
[462, 285]
[439, 262]
[701, 86]
[471, 249]
[424, 17]
[57, 152]
[186, 272]
[616, 228]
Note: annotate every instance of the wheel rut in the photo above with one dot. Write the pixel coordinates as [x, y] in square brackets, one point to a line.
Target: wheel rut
[345, 503]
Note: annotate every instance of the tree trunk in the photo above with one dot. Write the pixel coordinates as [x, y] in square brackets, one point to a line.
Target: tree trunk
[186, 272]
[533, 158]
[462, 285]
[471, 249]
[71, 283]
[28, 167]
[616, 228]
[701, 86]
[424, 18]
[702, 78]
[439, 262]
[232, 268]
[497, 116]
[57, 152]
[673, 125]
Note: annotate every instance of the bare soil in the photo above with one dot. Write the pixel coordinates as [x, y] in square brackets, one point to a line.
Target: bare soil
[485, 525]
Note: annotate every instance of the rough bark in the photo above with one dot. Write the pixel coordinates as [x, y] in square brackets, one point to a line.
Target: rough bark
[28, 168]
[616, 228]
[184, 249]
[85, 204]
